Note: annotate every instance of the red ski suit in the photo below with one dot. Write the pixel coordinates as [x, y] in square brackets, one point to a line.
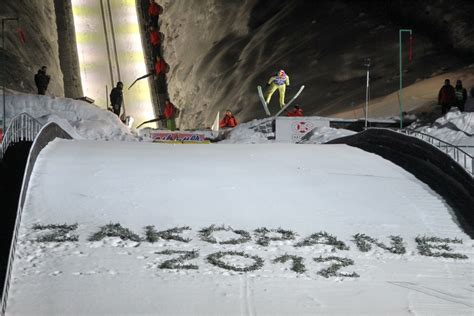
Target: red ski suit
[228, 121]
[295, 112]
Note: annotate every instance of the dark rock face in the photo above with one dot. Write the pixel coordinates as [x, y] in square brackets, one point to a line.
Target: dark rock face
[38, 21]
[219, 51]
[447, 23]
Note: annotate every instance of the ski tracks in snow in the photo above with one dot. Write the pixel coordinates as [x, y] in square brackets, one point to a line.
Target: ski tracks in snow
[466, 300]
[247, 305]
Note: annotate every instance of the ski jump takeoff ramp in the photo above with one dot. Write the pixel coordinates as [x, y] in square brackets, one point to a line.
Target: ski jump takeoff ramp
[277, 229]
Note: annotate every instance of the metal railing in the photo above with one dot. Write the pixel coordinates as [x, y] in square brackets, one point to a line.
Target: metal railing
[460, 156]
[22, 127]
[47, 134]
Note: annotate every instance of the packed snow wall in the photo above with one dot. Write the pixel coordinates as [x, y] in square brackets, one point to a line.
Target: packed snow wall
[24, 55]
[219, 51]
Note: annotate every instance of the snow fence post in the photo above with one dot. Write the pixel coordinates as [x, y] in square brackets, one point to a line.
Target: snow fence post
[472, 166]
[401, 74]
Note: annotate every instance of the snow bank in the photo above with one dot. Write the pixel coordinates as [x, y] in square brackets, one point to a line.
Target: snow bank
[253, 132]
[325, 134]
[260, 132]
[455, 127]
[81, 119]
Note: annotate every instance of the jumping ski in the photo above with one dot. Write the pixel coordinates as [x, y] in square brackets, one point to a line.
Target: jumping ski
[140, 78]
[289, 103]
[262, 99]
[160, 118]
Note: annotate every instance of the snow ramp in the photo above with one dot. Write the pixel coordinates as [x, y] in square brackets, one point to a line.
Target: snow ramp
[275, 229]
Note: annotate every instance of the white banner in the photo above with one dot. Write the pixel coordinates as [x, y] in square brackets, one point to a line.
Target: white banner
[291, 129]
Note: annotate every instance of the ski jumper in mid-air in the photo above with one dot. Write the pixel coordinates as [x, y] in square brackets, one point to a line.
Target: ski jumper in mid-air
[278, 82]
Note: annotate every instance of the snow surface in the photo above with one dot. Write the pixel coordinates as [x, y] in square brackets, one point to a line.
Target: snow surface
[81, 119]
[257, 132]
[304, 188]
[455, 127]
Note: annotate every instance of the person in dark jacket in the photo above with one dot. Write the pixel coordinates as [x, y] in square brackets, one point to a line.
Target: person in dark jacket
[446, 97]
[116, 98]
[461, 95]
[42, 80]
[297, 111]
[228, 120]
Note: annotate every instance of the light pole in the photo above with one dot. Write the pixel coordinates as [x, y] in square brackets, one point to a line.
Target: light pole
[401, 74]
[4, 66]
[367, 64]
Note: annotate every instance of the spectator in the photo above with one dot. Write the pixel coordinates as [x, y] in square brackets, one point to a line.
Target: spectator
[461, 95]
[161, 67]
[154, 11]
[278, 82]
[228, 120]
[297, 111]
[155, 41]
[469, 106]
[42, 80]
[169, 114]
[446, 97]
[116, 98]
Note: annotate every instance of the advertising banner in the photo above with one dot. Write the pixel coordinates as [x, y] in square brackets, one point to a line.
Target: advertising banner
[173, 137]
[291, 129]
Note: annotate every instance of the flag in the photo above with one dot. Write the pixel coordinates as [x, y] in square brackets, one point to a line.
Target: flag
[21, 35]
[215, 126]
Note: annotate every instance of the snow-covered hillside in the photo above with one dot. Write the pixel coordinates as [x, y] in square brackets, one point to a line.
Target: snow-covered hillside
[302, 220]
[80, 119]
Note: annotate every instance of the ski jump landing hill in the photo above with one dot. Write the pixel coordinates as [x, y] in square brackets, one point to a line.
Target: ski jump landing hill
[233, 229]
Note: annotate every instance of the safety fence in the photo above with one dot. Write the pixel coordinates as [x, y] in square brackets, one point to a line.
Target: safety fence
[460, 156]
[22, 127]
